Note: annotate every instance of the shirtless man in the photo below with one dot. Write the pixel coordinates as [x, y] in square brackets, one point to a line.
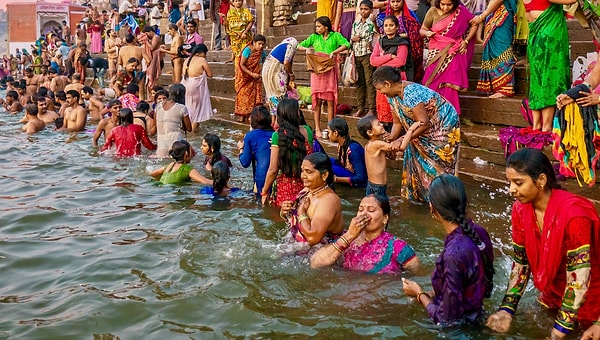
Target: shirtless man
[107, 124]
[95, 104]
[111, 46]
[75, 83]
[34, 124]
[57, 82]
[152, 44]
[11, 103]
[43, 113]
[75, 115]
[61, 98]
[24, 98]
[32, 81]
[132, 50]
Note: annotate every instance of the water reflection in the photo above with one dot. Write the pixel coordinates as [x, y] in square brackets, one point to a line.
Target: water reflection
[91, 246]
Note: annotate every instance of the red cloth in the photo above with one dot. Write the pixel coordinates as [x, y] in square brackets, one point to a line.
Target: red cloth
[128, 140]
[570, 221]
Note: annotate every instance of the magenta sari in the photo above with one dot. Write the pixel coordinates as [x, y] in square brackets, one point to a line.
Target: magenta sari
[446, 70]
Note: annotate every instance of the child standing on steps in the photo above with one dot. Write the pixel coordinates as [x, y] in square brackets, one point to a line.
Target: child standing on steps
[371, 129]
[362, 39]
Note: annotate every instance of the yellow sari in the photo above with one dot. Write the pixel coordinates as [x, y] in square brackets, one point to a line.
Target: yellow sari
[237, 21]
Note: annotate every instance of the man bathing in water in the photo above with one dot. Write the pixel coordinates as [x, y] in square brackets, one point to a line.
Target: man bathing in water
[34, 124]
[95, 104]
[75, 115]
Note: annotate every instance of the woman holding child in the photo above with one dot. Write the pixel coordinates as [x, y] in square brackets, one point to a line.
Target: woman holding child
[315, 215]
[434, 145]
[366, 245]
[555, 236]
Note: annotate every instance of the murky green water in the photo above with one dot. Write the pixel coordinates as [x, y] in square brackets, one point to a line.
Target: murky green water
[91, 247]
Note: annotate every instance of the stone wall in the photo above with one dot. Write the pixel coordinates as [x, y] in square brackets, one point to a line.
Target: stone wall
[283, 11]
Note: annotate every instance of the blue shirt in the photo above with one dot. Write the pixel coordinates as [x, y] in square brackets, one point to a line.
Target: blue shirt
[257, 151]
[355, 160]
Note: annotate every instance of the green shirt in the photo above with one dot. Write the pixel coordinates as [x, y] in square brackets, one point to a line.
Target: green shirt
[333, 41]
[176, 177]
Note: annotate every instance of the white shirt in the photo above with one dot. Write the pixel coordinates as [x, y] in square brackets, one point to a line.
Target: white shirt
[155, 12]
[125, 6]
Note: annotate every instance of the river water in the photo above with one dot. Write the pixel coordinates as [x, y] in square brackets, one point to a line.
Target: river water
[90, 246]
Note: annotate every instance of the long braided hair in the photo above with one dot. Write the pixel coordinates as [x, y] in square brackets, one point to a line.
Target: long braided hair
[292, 148]
[448, 197]
[339, 125]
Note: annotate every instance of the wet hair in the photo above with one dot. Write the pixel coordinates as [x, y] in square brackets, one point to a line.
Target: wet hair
[125, 116]
[367, 3]
[173, 27]
[384, 203]
[132, 88]
[113, 103]
[149, 29]
[52, 71]
[161, 93]
[29, 70]
[393, 19]
[533, 163]
[220, 176]
[74, 94]
[386, 73]
[157, 88]
[13, 94]
[129, 38]
[214, 144]
[133, 60]
[142, 106]
[259, 37]
[61, 95]
[322, 163]
[448, 197]
[109, 31]
[179, 149]
[340, 126]
[364, 125]
[260, 118]
[31, 109]
[291, 141]
[191, 22]
[455, 4]
[59, 122]
[177, 93]
[88, 90]
[325, 21]
[200, 48]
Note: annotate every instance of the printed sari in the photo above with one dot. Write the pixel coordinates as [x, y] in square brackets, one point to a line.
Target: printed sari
[237, 21]
[248, 90]
[434, 152]
[498, 59]
[446, 70]
[384, 254]
[548, 56]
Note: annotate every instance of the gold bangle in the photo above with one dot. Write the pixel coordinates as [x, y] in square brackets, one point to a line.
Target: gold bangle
[345, 241]
[419, 297]
[302, 218]
[337, 248]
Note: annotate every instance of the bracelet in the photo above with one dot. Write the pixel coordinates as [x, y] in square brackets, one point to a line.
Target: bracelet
[345, 241]
[419, 297]
[596, 323]
[264, 194]
[337, 247]
[302, 218]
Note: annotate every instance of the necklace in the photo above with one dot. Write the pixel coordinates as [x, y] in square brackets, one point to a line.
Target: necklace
[316, 192]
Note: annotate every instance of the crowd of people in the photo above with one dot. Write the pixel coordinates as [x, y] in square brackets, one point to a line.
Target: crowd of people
[408, 104]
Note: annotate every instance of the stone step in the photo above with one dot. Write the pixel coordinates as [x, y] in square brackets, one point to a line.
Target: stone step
[483, 110]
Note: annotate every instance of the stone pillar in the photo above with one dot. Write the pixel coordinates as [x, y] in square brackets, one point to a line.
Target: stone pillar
[282, 13]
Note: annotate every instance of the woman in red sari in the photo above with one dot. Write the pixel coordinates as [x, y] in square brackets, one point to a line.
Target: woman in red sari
[248, 82]
[451, 48]
[556, 238]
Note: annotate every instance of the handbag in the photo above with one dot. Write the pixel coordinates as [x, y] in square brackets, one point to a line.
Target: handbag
[349, 74]
[319, 63]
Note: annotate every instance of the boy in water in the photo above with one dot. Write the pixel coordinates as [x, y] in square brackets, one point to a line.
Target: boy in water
[371, 129]
[34, 124]
[107, 124]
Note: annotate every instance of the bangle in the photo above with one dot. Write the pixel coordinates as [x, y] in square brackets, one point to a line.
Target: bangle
[302, 218]
[264, 194]
[466, 40]
[336, 247]
[419, 297]
[345, 241]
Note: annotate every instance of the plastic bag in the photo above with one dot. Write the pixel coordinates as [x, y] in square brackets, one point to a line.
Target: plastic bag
[349, 75]
[305, 94]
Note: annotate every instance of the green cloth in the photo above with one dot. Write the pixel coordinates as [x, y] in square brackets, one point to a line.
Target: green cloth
[548, 56]
[176, 177]
[309, 143]
[37, 69]
[333, 41]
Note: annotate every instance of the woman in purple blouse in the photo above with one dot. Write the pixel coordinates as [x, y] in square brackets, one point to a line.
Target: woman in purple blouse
[464, 270]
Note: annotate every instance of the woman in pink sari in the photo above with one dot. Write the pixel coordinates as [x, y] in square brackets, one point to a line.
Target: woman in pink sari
[451, 47]
[96, 33]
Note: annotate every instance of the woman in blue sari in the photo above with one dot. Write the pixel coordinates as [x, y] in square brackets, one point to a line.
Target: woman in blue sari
[498, 59]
